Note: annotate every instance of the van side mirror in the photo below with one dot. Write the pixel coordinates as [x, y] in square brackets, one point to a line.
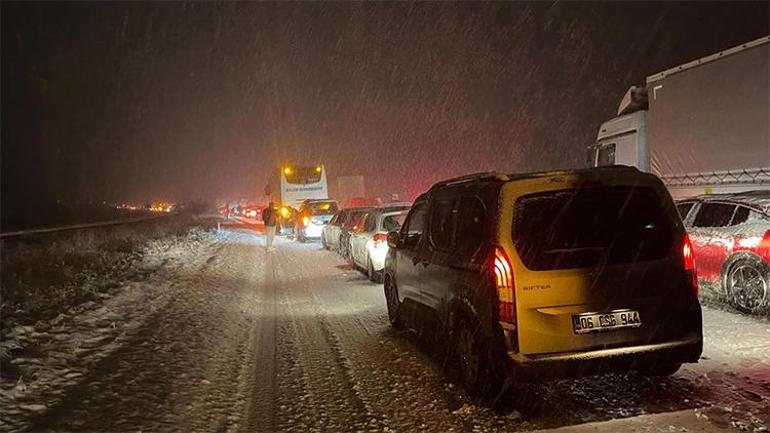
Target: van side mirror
[393, 238]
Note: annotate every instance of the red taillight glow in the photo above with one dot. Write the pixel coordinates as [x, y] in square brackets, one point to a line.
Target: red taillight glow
[504, 285]
[380, 239]
[689, 264]
[764, 245]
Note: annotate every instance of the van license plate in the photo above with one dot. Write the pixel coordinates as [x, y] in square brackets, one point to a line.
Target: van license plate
[585, 323]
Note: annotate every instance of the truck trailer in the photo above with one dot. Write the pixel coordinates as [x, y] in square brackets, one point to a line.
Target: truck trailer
[702, 127]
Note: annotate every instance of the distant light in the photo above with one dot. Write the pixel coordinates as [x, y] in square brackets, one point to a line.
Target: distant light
[285, 212]
[318, 169]
[287, 170]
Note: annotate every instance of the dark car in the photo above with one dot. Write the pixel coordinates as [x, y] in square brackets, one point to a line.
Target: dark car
[549, 274]
[730, 235]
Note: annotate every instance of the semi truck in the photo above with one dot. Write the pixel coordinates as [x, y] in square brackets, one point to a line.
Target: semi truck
[702, 127]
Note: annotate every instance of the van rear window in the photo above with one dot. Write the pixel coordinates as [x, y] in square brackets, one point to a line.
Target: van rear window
[588, 227]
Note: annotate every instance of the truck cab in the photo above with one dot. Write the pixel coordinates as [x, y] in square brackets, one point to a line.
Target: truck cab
[701, 126]
[622, 141]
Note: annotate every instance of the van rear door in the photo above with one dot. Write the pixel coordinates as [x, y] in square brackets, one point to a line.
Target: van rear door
[590, 250]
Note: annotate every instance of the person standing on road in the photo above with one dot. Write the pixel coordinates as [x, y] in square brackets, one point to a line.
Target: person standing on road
[269, 217]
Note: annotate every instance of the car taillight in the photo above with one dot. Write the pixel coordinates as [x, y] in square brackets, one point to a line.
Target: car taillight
[764, 244]
[504, 285]
[380, 239]
[689, 265]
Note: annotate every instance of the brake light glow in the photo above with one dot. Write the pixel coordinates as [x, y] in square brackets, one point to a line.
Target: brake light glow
[764, 244]
[504, 285]
[689, 265]
[380, 239]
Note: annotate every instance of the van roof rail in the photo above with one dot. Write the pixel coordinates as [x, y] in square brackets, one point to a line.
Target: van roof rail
[475, 177]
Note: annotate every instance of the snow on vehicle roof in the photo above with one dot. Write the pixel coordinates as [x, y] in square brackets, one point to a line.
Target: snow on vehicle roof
[759, 200]
[620, 171]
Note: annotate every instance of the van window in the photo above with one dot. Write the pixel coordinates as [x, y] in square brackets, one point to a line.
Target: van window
[590, 226]
[412, 230]
[714, 215]
[605, 155]
[442, 219]
[470, 225]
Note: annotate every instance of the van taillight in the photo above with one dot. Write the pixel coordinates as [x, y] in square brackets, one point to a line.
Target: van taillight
[504, 285]
[689, 265]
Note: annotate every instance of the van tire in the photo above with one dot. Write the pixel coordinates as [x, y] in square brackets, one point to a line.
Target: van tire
[475, 360]
[393, 304]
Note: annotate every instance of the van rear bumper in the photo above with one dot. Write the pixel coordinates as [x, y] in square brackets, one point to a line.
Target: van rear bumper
[575, 364]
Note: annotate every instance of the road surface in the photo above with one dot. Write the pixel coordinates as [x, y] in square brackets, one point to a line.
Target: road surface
[230, 338]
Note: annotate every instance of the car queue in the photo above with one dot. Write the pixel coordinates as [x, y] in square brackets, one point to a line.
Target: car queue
[564, 273]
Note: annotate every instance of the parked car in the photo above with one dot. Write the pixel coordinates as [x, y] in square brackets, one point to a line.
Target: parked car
[730, 235]
[560, 273]
[330, 235]
[355, 218]
[368, 244]
[312, 216]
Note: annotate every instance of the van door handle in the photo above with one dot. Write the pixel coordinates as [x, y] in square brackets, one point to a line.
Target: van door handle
[415, 260]
[425, 263]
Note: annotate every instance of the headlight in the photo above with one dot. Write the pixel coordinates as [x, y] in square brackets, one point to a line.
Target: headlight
[285, 212]
[305, 221]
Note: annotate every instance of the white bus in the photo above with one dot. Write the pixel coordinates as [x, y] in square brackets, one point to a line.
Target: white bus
[302, 183]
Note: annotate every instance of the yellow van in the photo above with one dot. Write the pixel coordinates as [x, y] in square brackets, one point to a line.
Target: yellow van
[558, 273]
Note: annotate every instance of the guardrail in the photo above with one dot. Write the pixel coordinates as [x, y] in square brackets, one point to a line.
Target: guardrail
[18, 233]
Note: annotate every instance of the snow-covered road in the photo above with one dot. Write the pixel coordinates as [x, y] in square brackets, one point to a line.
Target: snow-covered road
[232, 338]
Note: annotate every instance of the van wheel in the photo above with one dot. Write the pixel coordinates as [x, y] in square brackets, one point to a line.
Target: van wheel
[660, 369]
[475, 359]
[747, 285]
[394, 305]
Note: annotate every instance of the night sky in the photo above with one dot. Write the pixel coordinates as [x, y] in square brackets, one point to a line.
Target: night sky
[145, 101]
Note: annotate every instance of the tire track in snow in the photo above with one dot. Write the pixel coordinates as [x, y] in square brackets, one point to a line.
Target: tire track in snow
[332, 396]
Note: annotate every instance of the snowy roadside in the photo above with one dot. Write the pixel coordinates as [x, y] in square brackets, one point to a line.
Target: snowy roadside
[41, 360]
[691, 421]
